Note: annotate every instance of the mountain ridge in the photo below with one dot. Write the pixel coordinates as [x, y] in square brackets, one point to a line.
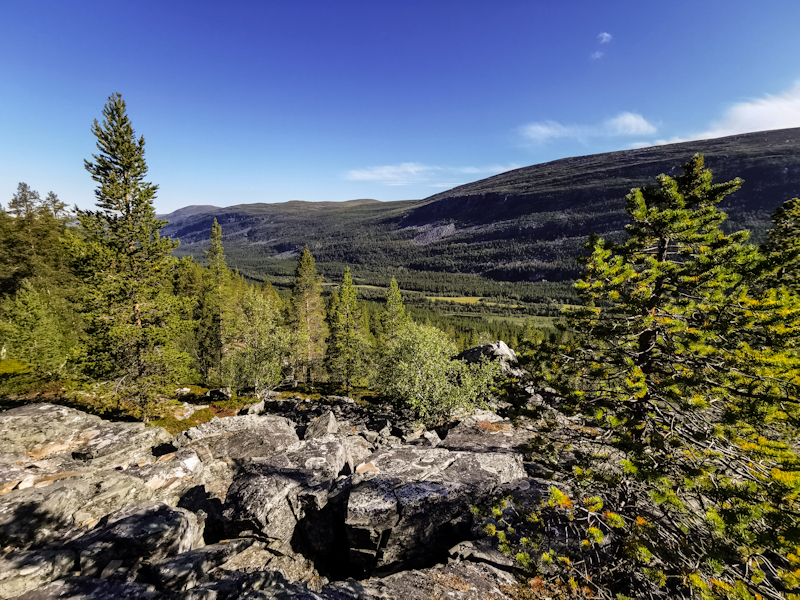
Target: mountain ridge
[528, 224]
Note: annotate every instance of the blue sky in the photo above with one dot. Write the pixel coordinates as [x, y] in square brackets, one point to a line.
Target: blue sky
[270, 101]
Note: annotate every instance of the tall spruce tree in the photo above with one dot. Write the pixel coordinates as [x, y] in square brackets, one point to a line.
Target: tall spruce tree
[133, 318]
[347, 345]
[394, 313]
[307, 316]
[783, 247]
[696, 377]
[211, 307]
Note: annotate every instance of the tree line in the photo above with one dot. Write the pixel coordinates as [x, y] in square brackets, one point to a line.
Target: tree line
[107, 301]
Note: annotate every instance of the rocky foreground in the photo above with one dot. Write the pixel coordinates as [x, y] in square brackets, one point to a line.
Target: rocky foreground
[291, 500]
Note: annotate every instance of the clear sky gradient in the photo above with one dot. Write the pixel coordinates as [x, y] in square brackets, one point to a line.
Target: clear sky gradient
[270, 101]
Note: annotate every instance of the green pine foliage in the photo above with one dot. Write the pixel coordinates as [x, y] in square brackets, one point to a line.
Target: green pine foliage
[347, 345]
[132, 316]
[394, 314]
[683, 353]
[33, 332]
[211, 308]
[307, 318]
[783, 246]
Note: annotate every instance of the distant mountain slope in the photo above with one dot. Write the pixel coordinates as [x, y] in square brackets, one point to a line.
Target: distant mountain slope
[523, 225]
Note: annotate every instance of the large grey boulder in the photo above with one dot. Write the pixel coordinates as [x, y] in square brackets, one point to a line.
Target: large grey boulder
[37, 516]
[237, 585]
[145, 533]
[239, 437]
[21, 572]
[455, 581]
[88, 588]
[171, 475]
[39, 430]
[185, 570]
[485, 432]
[271, 495]
[409, 504]
[322, 426]
[42, 440]
[498, 351]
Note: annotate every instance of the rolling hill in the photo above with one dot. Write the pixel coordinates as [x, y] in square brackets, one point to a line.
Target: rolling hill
[525, 225]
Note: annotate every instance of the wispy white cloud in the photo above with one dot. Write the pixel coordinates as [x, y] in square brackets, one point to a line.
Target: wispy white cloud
[596, 55]
[770, 112]
[402, 174]
[604, 37]
[629, 123]
[416, 173]
[624, 124]
[762, 114]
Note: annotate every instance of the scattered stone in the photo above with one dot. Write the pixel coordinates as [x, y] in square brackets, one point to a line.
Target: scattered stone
[322, 426]
[187, 569]
[240, 437]
[21, 572]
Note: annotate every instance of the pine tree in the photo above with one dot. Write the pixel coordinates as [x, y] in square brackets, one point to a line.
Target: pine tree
[33, 332]
[30, 246]
[394, 314]
[306, 316]
[211, 307]
[133, 317]
[347, 345]
[783, 246]
[696, 375]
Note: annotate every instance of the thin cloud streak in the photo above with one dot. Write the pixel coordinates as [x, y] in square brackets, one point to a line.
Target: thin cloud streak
[604, 37]
[624, 124]
[415, 173]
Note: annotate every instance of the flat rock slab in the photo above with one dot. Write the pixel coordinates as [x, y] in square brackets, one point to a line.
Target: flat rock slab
[240, 437]
[86, 588]
[485, 432]
[412, 503]
[272, 494]
[458, 581]
[149, 532]
[39, 440]
[38, 516]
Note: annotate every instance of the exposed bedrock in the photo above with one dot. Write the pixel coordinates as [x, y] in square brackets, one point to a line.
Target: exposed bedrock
[409, 504]
[260, 505]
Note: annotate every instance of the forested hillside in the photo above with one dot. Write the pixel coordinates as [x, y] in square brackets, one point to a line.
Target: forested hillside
[525, 225]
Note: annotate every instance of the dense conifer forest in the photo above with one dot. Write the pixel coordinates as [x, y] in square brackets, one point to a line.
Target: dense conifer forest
[679, 343]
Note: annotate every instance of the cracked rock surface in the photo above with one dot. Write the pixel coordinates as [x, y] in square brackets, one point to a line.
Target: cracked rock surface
[292, 499]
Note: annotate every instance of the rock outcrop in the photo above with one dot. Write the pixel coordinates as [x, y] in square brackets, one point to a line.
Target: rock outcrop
[290, 500]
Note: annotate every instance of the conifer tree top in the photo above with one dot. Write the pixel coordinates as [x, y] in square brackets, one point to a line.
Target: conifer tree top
[119, 167]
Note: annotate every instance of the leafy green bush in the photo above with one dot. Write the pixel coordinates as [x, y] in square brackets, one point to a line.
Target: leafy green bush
[420, 373]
